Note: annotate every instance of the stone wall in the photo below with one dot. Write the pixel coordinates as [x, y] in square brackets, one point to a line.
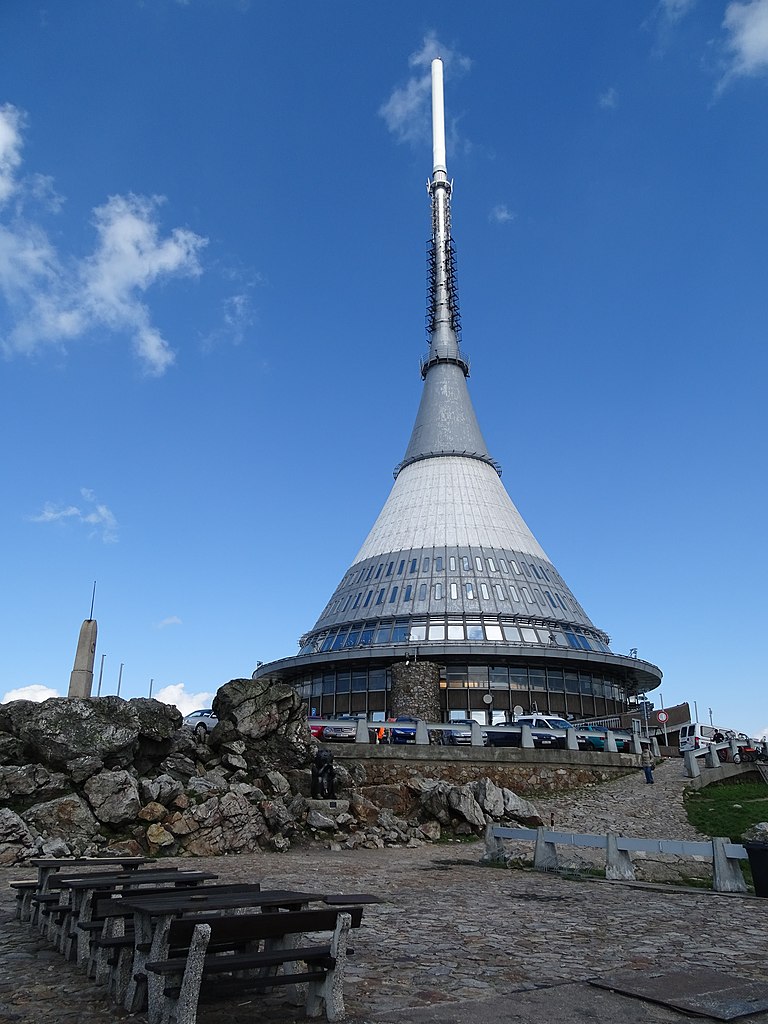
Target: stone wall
[416, 690]
[530, 780]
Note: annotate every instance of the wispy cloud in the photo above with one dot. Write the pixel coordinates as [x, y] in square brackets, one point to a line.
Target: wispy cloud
[673, 11]
[93, 514]
[501, 214]
[407, 112]
[236, 311]
[185, 702]
[664, 20]
[55, 298]
[609, 99]
[746, 28]
[36, 692]
[172, 620]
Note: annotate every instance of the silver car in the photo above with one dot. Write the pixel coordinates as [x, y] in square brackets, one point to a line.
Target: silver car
[201, 722]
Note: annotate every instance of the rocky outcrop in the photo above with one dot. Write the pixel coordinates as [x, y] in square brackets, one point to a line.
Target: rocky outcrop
[263, 723]
[119, 733]
[87, 775]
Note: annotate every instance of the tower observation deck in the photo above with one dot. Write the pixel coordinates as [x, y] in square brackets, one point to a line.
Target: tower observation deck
[450, 572]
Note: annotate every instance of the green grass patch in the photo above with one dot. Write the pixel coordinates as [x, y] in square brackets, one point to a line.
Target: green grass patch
[727, 809]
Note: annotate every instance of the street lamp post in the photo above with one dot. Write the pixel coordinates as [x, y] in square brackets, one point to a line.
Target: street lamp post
[101, 673]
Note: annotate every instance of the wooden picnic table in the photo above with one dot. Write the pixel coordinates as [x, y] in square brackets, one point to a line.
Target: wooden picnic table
[47, 867]
[152, 920]
[78, 890]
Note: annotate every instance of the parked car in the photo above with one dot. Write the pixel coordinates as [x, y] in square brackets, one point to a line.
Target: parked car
[201, 722]
[596, 738]
[544, 729]
[345, 731]
[315, 729]
[405, 733]
[455, 737]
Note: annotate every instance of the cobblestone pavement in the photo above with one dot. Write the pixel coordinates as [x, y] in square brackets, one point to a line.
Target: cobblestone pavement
[454, 941]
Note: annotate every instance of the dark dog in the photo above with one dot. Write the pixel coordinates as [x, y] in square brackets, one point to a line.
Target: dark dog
[323, 776]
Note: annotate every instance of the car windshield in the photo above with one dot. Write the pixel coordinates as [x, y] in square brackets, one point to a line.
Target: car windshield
[559, 723]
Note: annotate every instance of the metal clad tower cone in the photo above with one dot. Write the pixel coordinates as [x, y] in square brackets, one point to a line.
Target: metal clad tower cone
[450, 572]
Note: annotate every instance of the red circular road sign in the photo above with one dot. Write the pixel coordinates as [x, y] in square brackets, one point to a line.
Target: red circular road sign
[662, 716]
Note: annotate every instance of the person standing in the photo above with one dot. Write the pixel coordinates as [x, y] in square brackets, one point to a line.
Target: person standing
[646, 761]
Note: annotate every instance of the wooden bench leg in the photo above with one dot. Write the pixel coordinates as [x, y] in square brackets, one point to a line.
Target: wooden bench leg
[330, 992]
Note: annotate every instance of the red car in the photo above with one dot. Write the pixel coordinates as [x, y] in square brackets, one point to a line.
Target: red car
[316, 730]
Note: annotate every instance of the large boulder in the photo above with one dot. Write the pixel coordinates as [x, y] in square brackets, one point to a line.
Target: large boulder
[225, 824]
[58, 731]
[114, 797]
[269, 718]
[68, 818]
[16, 839]
[18, 783]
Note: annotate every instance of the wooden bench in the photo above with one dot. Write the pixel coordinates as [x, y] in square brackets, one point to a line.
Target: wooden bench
[235, 968]
[24, 892]
[109, 940]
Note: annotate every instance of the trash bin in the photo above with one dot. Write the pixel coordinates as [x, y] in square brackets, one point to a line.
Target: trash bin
[758, 863]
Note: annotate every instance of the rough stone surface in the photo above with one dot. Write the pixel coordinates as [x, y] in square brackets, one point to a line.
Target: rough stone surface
[416, 690]
[56, 732]
[269, 719]
[113, 796]
[68, 818]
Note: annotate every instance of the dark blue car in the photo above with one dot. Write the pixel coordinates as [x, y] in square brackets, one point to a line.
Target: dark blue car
[405, 733]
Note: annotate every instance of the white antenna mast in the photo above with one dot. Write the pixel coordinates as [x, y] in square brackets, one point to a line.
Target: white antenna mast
[438, 118]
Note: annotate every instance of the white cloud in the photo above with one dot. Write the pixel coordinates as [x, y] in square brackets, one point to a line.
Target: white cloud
[501, 214]
[172, 620]
[609, 99]
[408, 110]
[746, 25]
[54, 298]
[36, 692]
[98, 516]
[10, 149]
[185, 702]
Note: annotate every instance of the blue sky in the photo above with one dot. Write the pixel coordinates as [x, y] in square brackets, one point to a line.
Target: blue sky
[212, 288]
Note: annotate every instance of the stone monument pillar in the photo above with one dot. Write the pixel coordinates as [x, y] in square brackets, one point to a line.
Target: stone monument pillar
[81, 680]
[416, 690]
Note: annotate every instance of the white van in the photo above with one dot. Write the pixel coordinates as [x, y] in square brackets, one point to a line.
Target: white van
[696, 735]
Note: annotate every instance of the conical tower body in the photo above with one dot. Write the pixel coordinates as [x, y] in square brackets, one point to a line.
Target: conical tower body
[450, 572]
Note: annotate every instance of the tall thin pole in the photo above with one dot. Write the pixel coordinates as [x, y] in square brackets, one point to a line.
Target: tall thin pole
[119, 678]
[93, 598]
[101, 673]
[150, 686]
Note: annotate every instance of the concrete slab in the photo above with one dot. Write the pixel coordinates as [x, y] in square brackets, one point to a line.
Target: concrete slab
[707, 993]
[578, 1003]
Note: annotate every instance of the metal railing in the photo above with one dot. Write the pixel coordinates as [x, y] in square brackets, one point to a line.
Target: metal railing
[712, 759]
[424, 733]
